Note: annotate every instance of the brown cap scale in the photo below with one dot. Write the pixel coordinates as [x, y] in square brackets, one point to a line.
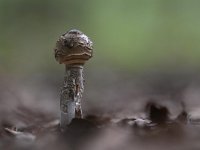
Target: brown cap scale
[72, 49]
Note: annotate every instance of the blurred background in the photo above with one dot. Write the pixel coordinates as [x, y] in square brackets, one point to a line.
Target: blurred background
[131, 35]
[143, 49]
[148, 39]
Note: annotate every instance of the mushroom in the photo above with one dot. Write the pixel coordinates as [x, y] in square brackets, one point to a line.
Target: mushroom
[73, 49]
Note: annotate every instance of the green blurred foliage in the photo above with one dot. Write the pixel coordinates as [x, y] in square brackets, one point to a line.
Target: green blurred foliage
[127, 34]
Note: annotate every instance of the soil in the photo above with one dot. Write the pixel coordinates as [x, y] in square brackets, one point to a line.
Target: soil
[154, 111]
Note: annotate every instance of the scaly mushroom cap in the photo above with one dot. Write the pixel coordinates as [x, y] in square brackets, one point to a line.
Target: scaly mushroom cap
[73, 47]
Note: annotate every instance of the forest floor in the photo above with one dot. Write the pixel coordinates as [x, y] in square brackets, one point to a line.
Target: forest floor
[154, 111]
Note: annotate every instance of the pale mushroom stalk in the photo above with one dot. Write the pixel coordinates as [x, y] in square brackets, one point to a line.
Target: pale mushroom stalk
[71, 94]
[72, 49]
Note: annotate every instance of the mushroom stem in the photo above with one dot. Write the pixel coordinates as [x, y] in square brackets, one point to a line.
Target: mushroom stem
[71, 94]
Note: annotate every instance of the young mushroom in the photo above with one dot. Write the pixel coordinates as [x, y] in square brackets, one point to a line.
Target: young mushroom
[73, 49]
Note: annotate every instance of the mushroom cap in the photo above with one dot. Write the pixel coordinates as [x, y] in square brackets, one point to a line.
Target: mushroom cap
[73, 47]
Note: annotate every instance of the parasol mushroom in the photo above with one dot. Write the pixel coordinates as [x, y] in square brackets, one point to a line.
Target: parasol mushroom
[73, 49]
